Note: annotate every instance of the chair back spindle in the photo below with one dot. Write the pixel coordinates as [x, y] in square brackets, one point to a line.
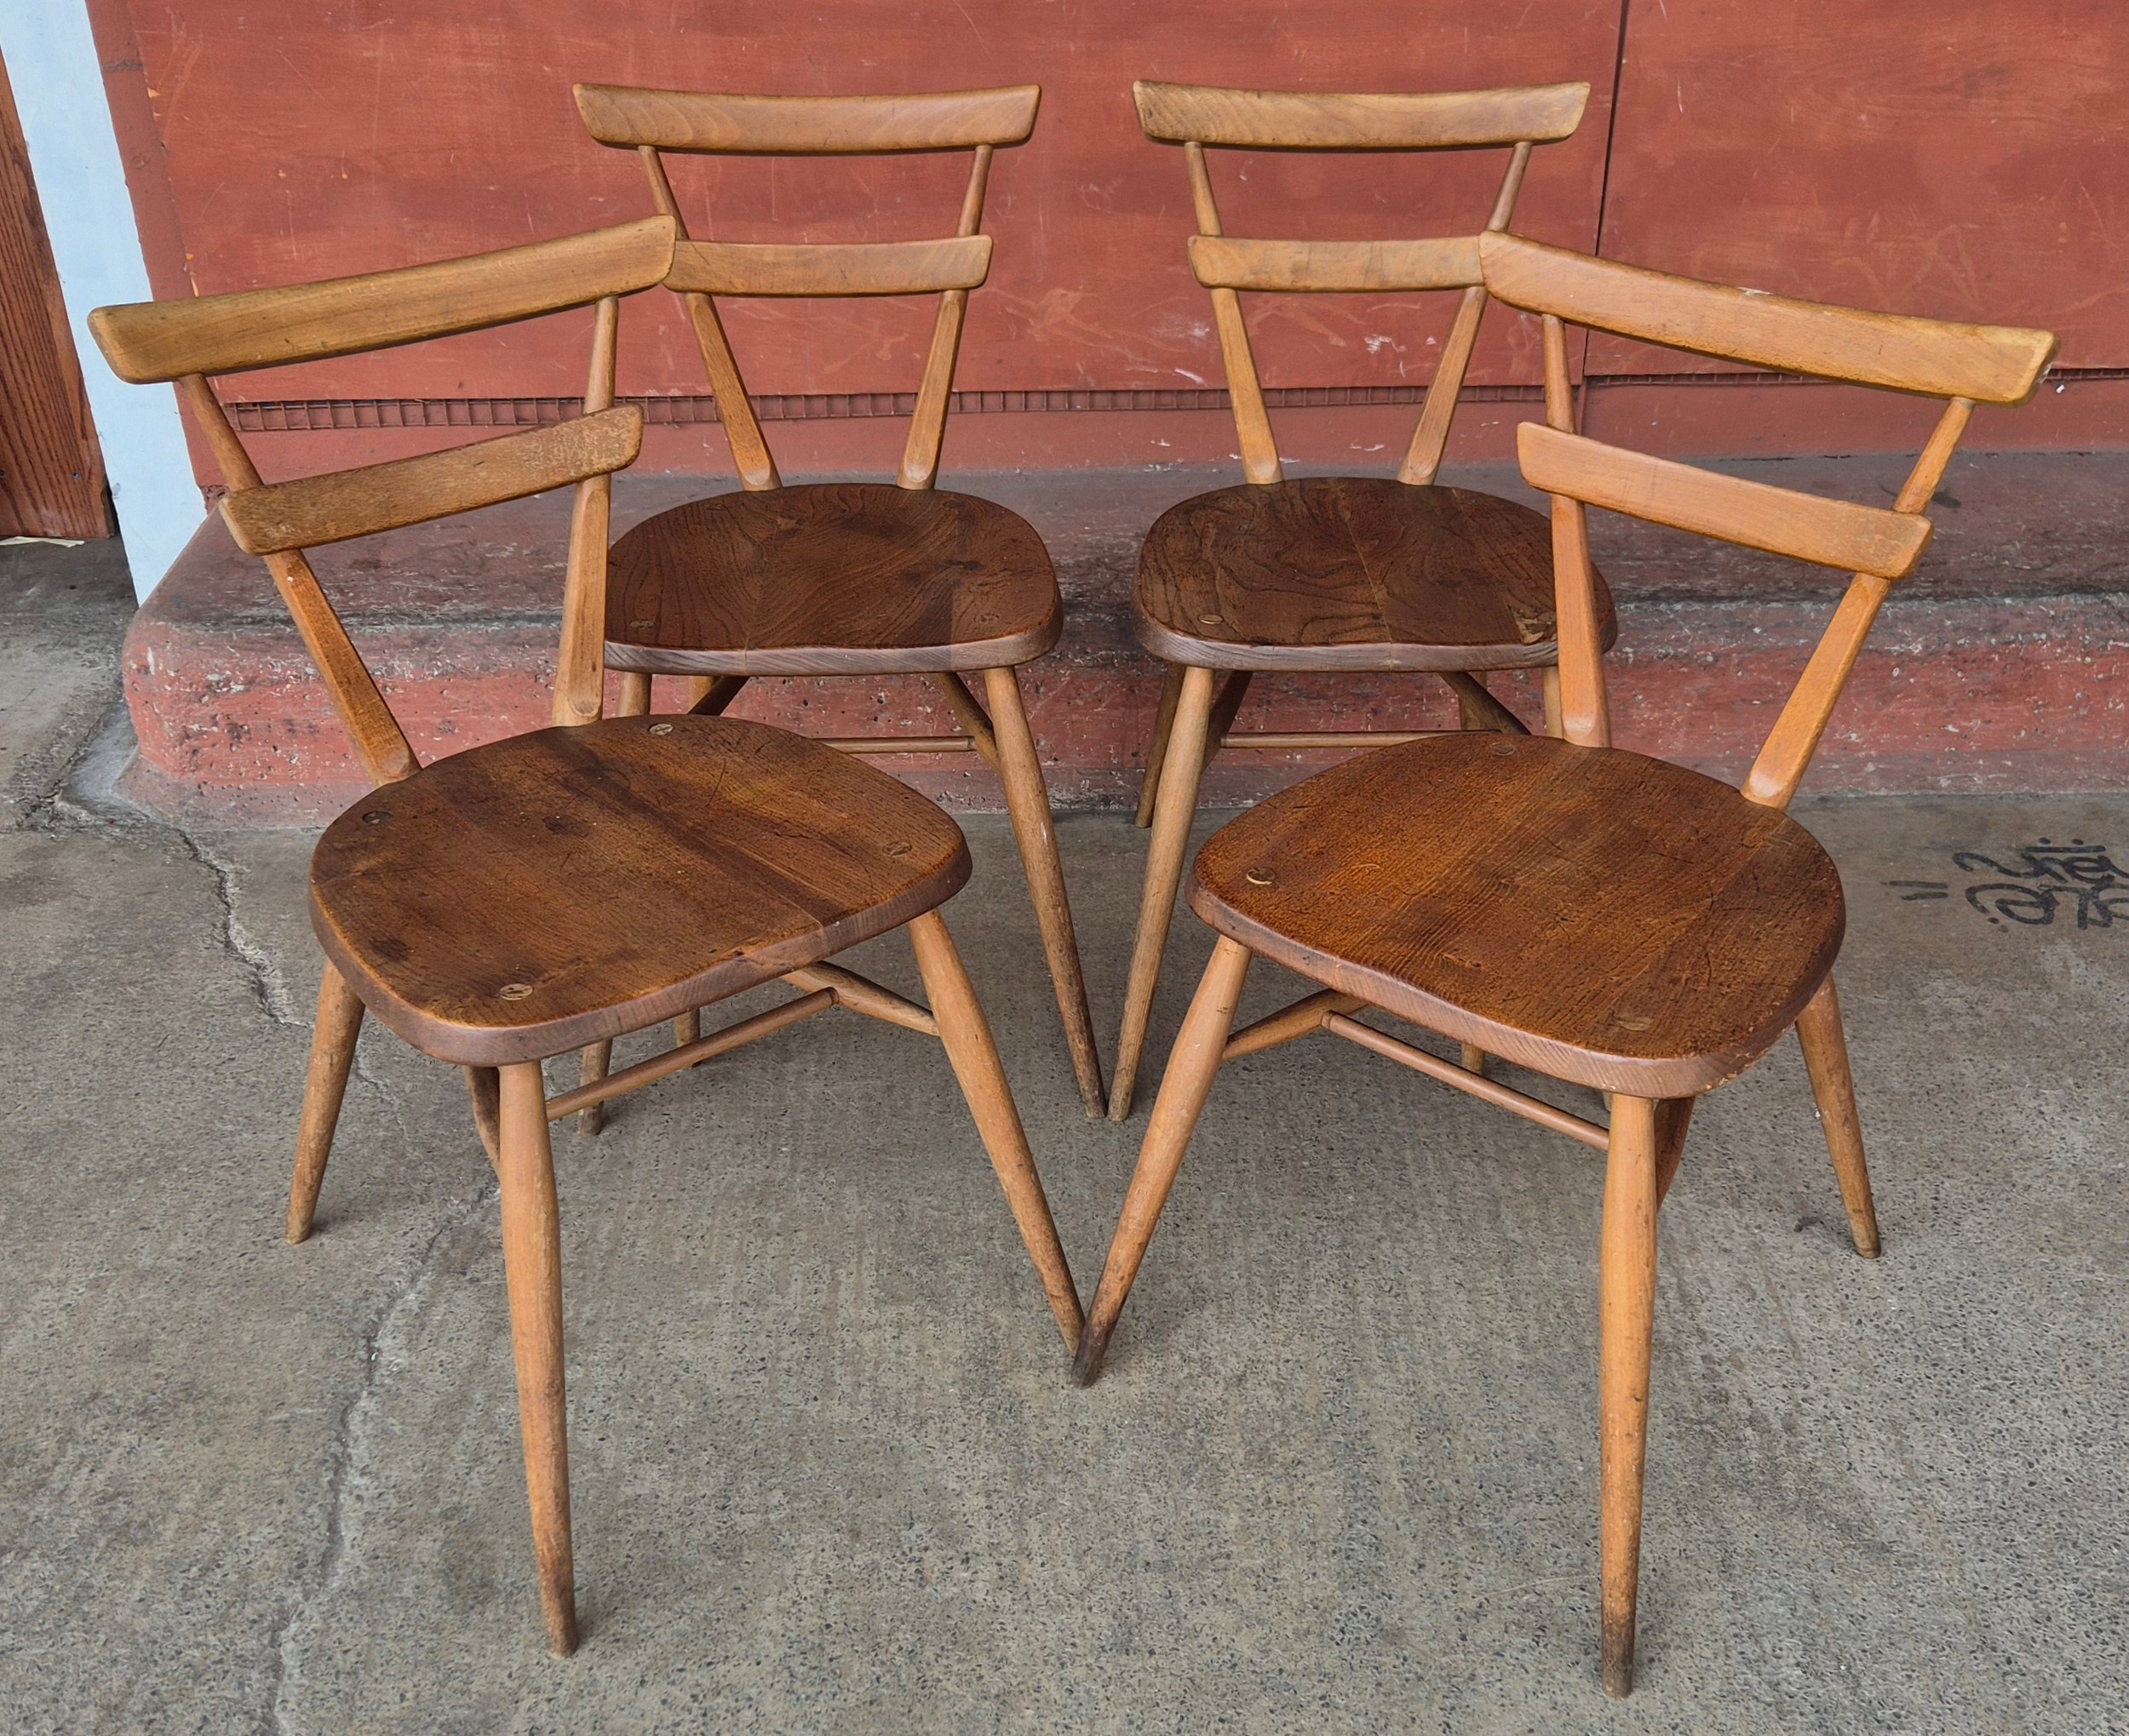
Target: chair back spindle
[1198, 116]
[188, 343]
[1962, 364]
[652, 123]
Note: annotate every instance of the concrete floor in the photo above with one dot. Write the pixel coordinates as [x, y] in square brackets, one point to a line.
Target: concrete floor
[828, 1474]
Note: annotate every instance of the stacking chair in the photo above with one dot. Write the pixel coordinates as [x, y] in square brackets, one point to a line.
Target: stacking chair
[1336, 573]
[521, 899]
[861, 579]
[1608, 918]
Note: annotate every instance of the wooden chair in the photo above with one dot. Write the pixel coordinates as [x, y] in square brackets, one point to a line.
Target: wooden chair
[1607, 918]
[1325, 574]
[522, 899]
[855, 579]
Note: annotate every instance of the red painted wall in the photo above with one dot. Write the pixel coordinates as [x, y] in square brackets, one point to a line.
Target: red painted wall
[1965, 161]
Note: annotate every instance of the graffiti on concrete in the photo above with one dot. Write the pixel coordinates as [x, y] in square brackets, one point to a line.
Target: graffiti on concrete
[2034, 884]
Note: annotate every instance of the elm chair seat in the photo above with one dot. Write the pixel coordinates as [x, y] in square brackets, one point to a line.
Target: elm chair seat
[1353, 573]
[830, 578]
[672, 862]
[1595, 914]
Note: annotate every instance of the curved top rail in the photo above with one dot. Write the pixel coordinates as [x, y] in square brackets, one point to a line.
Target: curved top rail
[632, 118]
[1941, 359]
[145, 342]
[1306, 120]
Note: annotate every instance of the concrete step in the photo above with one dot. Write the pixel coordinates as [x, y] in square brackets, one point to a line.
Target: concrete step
[1995, 668]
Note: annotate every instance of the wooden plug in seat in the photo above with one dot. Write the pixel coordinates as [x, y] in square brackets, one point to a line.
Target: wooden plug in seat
[1594, 914]
[560, 889]
[1329, 574]
[847, 579]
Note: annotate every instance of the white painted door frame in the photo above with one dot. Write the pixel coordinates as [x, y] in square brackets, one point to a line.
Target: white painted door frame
[81, 182]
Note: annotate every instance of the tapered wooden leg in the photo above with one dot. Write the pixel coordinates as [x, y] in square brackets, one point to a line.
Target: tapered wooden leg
[532, 1270]
[324, 1087]
[1471, 709]
[1157, 749]
[1183, 1088]
[633, 700]
[974, 721]
[1173, 809]
[1227, 708]
[708, 696]
[483, 1084]
[1626, 1313]
[1553, 727]
[1029, 802]
[1672, 1117]
[597, 1057]
[1826, 1059]
[974, 1058]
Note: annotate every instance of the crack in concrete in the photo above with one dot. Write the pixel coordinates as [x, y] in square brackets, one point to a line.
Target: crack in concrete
[262, 974]
[381, 1349]
[80, 795]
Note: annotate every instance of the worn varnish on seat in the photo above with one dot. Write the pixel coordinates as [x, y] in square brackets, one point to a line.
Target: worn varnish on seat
[1347, 572]
[1608, 918]
[1602, 917]
[1329, 573]
[801, 581]
[574, 884]
[847, 579]
[556, 890]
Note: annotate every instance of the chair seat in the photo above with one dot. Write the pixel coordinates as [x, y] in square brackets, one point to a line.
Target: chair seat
[1345, 572]
[830, 578]
[1603, 917]
[527, 898]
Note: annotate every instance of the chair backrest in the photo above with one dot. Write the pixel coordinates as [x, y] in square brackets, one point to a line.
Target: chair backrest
[1198, 115]
[1964, 365]
[188, 341]
[653, 122]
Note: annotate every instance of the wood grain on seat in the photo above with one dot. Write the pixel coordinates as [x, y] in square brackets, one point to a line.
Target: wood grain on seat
[1606, 917]
[545, 892]
[1350, 573]
[830, 578]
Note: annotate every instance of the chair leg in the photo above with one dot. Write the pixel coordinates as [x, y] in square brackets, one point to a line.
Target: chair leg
[1672, 1117]
[591, 1067]
[1553, 727]
[1157, 749]
[1173, 807]
[1183, 1088]
[532, 1270]
[1034, 831]
[634, 698]
[483, 1084]
[324, 1088]
[1227, 708]
[1818, 1028]
[708, 696]
[974, 1058]
[1626, 1313]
